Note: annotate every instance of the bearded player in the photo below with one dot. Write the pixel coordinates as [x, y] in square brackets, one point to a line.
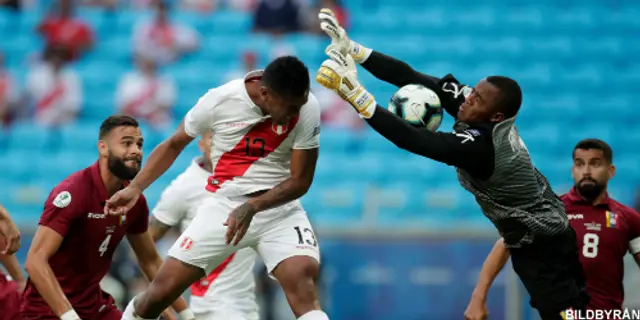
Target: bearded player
[74, 243]
[11, 286]
[491, 160]
[228, 292]
[606, 230]
[265, 146]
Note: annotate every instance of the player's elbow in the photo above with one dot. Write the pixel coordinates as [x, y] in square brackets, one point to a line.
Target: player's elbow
[35, 261]
[302, 185]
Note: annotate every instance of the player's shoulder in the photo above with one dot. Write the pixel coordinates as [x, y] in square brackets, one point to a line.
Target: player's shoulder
[222, 93]
[311, 108]
[74, 187]
[620, 208]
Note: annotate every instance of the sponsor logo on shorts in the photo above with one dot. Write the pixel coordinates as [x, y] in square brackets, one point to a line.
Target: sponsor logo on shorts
[187, 244]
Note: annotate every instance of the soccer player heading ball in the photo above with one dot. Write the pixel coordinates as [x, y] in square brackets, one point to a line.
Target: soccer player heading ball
[266, 130]
[491, 160]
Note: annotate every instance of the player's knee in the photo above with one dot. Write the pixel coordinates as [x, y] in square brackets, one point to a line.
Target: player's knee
[297, 276]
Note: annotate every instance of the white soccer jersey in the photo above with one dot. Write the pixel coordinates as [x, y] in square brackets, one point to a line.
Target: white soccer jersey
[249, 152]
[231, 286]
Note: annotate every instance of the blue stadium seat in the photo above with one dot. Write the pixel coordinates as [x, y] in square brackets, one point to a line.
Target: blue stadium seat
[27, 136]
[230, 22]
[79, 138]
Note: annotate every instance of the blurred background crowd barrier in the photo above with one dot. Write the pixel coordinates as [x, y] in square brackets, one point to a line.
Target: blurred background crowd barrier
[400, 238]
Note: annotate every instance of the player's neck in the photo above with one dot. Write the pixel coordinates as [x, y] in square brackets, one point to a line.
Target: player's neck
[600, 199]
[253, 90]
[111, 182]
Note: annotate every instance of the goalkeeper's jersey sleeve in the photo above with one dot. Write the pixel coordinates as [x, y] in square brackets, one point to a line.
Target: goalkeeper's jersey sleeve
[450, 91]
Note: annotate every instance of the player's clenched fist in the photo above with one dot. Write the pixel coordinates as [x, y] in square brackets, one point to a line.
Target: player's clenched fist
[122, 201]
[339, 74]
[476, 310]
[339, 38]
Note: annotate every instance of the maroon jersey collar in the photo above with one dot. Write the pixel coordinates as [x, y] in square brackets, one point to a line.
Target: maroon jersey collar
[575, 197]
[99, 184]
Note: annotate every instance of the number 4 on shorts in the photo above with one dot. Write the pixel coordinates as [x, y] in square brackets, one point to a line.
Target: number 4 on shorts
[306, 236]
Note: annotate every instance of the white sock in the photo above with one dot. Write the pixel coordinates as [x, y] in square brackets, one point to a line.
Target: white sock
[314, 315]
[129, 312]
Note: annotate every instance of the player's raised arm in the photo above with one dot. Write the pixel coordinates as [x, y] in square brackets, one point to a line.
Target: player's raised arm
[497, 258]
[392, 70]
[470, 150]
[195, 123]
[381, 66]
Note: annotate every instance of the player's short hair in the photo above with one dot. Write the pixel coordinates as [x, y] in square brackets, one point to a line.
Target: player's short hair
[511, 99]
[596, 144]
[115, 121]
[287, 76]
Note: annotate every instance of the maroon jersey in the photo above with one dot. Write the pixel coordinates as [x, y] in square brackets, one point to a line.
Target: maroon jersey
[9, 299]
[606, 232]
[74, 209]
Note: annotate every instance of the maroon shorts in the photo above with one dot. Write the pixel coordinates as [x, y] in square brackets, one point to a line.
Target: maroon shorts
[9, 300]
[107, 310]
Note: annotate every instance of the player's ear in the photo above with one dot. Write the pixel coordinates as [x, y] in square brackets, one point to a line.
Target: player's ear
[264, 92]
[497, 117]
[612, 171]
[103, 150]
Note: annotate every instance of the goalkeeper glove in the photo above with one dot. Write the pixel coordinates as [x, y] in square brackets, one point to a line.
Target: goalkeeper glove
[329, 24]
[339, 75]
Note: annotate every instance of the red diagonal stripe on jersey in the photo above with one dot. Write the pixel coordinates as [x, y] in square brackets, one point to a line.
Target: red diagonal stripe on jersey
[235, 162]
[200, 287]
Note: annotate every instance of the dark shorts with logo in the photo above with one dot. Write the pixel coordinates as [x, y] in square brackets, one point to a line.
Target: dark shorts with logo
[551, 271]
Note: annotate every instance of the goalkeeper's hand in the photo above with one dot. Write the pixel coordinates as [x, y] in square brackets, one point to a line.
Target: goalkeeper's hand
[339, 38]
[339, 75]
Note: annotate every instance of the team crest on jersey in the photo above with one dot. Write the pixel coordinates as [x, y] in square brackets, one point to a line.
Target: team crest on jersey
[123, 219]
[279, 129]
[186, 244]
[62, 200]
[612, 219]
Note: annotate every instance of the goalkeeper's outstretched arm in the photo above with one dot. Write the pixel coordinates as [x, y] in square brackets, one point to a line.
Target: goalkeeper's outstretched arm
[397, 72]
[469, 150]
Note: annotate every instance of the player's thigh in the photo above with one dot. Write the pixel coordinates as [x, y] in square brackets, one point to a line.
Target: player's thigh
[548, 271]
[203, 244]
[291, 236]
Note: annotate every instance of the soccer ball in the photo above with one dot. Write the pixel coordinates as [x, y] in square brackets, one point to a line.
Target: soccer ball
[418, 105]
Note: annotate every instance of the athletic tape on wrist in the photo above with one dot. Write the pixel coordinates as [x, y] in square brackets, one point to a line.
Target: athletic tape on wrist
[186, 314]
[70, 315]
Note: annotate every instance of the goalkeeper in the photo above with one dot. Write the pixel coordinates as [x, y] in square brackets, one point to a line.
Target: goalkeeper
[491, 160]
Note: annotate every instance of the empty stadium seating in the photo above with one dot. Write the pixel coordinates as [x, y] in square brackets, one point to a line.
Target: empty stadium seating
[576, 60]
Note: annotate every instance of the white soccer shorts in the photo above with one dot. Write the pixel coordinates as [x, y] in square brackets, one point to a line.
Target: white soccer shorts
[276, 234]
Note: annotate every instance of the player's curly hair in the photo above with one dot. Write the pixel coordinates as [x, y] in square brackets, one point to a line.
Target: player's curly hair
[595, 144]
[115, 121]
[511, 99]
[287, 76]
